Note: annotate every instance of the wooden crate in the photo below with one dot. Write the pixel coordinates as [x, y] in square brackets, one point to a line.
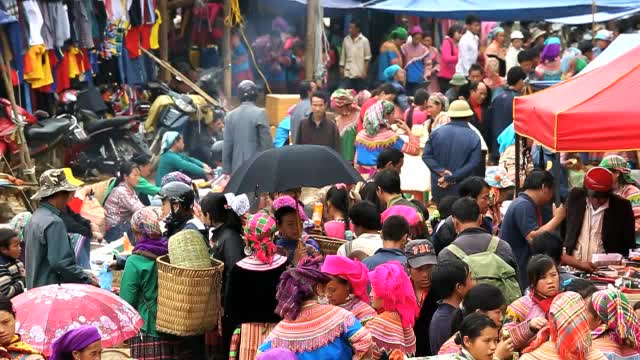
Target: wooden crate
[277, 105]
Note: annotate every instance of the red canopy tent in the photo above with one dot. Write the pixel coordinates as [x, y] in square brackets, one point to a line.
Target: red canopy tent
[594, 112]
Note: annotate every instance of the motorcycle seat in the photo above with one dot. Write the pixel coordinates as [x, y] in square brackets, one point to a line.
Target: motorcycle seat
[101, 124]
[47, 129]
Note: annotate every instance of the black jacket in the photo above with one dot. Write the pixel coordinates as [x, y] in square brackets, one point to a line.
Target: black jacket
[229, 248]
[75, 223]
[618, 224]
[421, 328]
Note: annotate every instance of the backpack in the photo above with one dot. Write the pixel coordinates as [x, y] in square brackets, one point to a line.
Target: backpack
[489, 268]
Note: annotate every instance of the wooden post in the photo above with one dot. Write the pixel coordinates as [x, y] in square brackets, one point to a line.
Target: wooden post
[309, 52]
[226, 51]
[25, 157]
[164, 38]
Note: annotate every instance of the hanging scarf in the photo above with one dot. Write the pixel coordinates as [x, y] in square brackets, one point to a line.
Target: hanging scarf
[613, 309]
[542, 301]
[374, 117]
[568, 328]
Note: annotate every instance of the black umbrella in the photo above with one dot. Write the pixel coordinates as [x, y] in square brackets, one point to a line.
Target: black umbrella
[292, 167]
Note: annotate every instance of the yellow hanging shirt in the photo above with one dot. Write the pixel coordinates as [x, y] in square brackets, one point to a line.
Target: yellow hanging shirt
[155, 29]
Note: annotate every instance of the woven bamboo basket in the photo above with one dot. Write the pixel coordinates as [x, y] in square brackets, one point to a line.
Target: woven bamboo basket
[188, 299]
[328, 245]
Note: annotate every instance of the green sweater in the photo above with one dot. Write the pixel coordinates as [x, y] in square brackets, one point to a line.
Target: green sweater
[171, 161]
[139, 287]
[145, 187]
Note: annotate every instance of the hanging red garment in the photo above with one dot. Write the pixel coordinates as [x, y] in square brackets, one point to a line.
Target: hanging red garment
[63, 82]
[132, 42]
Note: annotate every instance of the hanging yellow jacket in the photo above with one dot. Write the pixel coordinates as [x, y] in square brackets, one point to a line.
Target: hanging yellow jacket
[155, 29]
[37, 69]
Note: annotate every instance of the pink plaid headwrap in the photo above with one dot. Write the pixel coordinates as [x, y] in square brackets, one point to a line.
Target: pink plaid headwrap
[288, 201]
[353, 271]
[391, 283]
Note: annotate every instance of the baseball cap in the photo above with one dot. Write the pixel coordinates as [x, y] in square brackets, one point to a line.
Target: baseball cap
[419, 253]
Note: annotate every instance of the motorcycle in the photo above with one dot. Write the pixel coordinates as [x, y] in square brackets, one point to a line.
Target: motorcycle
[109, 141]
[172, 110]
[48, 138]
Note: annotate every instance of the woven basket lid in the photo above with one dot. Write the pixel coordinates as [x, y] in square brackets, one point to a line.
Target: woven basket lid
[188, 249]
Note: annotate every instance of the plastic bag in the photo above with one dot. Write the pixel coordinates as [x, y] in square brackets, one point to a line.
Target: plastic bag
[105, 277]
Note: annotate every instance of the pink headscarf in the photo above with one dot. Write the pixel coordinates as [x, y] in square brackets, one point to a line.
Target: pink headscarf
[407, 212]
[351, 270]
[391, 283]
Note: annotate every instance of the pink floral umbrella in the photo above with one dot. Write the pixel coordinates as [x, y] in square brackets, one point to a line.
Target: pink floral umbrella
[46, 313]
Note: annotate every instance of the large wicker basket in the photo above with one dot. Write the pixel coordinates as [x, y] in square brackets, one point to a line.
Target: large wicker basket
[328, 245]
[188, 299]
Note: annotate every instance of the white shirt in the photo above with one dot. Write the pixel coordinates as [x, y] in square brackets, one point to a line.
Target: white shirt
[483, 144]
[512, 57]
[590, 239]
[353, 56]
[367, 243]
[35, 21]
[468, 52]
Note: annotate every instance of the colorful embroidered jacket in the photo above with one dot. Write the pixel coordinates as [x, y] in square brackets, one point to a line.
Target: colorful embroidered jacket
[611, 349]
[368, 148]
[362, 311]
[321, 332]
[389, 335]
[517, 320]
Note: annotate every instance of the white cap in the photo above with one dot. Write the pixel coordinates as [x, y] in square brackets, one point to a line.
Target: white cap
[516, 35]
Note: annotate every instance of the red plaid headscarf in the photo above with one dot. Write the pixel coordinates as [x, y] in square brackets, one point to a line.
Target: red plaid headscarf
[258, 231]
[568, 328]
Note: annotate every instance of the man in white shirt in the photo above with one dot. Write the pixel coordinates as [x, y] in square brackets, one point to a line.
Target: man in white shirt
[365, 218]
[354, 59]
[517, 39]
[468, 46]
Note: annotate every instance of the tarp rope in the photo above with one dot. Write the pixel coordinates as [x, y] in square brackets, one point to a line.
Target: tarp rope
[235, 19]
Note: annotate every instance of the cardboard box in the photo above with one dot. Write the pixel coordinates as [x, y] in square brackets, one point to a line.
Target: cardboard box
[277, 105]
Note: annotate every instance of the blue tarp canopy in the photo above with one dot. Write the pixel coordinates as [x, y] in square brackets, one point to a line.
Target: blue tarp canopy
[499, 10]
[599, 17]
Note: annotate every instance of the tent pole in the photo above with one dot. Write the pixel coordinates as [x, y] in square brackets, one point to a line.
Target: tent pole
[557, 173]
[517, 165]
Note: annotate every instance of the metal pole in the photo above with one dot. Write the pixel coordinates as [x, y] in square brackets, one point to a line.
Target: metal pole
[226, 50]
[517, 164]
[557, 173]
[309, 52]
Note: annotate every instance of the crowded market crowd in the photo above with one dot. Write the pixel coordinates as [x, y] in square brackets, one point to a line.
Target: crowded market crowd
[438, 254]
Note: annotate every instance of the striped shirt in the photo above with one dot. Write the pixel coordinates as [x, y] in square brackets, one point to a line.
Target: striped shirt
[11, 276]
